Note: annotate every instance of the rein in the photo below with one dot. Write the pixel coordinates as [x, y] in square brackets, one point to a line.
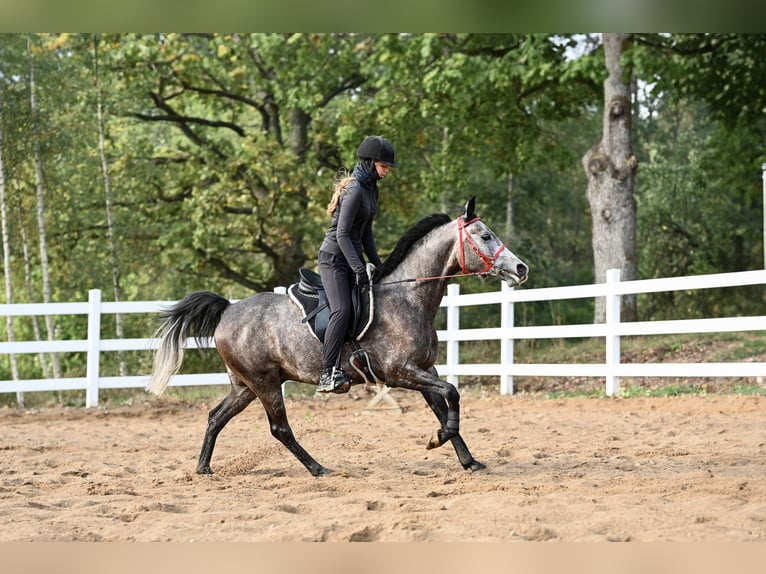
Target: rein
[489, 260]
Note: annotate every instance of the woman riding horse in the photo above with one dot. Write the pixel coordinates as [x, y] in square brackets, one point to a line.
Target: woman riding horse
[264, 342]
[341, 264]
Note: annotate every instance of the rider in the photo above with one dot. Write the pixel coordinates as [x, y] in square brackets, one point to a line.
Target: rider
[341, 264]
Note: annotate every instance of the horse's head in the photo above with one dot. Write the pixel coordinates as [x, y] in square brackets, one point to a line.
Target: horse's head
[481, 251]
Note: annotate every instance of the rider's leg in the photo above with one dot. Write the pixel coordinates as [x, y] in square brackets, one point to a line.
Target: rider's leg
[336, 278]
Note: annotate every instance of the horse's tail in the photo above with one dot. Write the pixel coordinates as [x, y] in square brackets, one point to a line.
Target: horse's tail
[199, 312]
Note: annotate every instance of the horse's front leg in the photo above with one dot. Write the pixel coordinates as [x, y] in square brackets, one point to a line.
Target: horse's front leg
[444, 400]
[450, 425]
[439, 407]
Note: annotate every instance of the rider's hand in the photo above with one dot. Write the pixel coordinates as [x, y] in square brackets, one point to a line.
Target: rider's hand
[374, 273]
[362, 279]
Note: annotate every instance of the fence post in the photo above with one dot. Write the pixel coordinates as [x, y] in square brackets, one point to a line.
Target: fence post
[763, 209]
[453, 326]
[613, 302]
[94, 347]
[506, 341]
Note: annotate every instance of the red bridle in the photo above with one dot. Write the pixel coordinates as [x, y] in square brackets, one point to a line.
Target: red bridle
[489, 261]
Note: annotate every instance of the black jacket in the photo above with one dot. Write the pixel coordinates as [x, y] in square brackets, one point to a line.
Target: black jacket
[351, 227]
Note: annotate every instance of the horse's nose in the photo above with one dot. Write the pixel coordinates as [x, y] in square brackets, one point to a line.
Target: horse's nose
[522, 270]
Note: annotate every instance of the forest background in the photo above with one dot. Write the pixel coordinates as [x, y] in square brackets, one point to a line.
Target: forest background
[152, 165]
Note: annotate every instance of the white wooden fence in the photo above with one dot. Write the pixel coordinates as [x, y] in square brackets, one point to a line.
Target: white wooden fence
[507, 333]
[611, 331]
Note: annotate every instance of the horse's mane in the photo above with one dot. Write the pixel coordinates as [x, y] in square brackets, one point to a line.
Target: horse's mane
[416, 232]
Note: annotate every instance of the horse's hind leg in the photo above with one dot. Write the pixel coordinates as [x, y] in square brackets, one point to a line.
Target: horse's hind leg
[234, 403]
[439, 407]
[274, 404]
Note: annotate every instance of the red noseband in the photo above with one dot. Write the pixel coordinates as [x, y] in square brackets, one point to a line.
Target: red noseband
[489, 260]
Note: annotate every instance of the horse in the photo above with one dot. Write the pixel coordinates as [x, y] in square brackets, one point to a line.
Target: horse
[263, 342]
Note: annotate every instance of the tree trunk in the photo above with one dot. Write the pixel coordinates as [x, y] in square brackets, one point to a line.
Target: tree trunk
[610, 167]
[509, 209]
[119, 328]
[7, 256]
[41, 207]
[30, 289]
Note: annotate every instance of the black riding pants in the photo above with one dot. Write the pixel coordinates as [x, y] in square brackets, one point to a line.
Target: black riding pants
[337, 278]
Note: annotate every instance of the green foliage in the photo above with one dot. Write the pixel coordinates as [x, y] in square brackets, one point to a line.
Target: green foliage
[699, 208]
[724, 70]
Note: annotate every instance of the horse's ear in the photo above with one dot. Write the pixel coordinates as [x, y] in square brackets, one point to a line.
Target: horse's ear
[468, 212]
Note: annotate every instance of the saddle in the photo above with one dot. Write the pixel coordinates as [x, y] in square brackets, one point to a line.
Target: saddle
[309, 295]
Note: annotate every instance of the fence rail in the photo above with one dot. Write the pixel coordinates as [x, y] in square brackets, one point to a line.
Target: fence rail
[611, 369]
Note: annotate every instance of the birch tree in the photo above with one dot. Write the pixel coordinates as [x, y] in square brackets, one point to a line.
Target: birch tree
[7, 253]
[29, 285]
[107, 195]
[40, 195]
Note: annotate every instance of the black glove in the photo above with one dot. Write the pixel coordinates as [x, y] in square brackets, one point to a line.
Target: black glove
[362, 279]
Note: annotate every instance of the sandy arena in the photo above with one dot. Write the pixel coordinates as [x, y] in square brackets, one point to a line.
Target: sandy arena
[640, 469]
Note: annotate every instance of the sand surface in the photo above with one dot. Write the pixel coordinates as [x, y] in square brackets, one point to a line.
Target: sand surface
[640, 469]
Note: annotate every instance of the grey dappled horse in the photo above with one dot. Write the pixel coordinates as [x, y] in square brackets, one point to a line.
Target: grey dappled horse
[263, 342]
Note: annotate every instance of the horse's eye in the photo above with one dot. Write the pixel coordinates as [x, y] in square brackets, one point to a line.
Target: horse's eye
[486, 237]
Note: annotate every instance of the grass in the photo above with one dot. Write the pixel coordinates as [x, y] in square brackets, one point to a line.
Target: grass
[724, 347]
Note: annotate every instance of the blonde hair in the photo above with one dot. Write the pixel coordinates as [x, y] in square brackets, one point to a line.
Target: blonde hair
[342, 179]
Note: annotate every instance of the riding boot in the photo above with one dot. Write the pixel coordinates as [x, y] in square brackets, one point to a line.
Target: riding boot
[334, 380]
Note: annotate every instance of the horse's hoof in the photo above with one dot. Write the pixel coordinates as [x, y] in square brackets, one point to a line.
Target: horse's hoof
[474, 465]
[442, 437]
[322, 471]
[433, 443]
[204, 470]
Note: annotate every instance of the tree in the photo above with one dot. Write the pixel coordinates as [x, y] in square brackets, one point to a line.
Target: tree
[40, 195]
[610, 167]
[108, 194]
[7, 266]
[702, 144]
[726, 71]
[231, 152]
[245, 132]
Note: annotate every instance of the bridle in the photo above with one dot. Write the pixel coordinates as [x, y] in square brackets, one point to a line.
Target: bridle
[463, 236]
[489, 260]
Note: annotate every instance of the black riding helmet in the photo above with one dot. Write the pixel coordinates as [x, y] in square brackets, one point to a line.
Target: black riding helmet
[377, 148]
